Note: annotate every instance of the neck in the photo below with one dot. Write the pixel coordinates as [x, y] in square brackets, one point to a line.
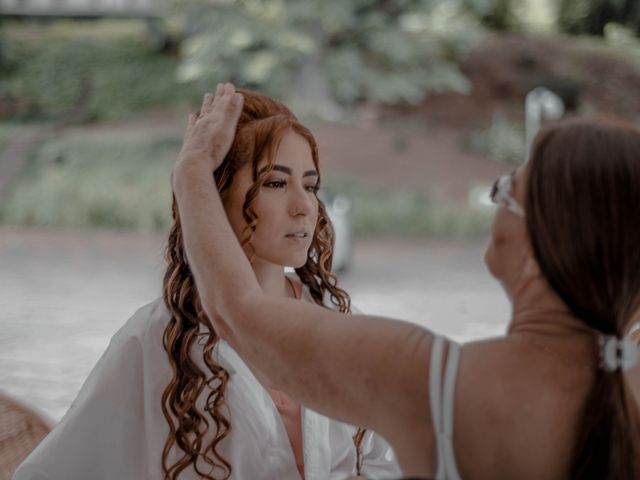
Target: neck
[542, 318]
[271, 278]
[544, 312]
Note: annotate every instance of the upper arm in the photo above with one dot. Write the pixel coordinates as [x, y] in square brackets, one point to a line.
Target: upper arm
[368, 371]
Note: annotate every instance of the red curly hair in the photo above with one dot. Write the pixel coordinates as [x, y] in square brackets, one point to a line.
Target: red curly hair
[262, 125]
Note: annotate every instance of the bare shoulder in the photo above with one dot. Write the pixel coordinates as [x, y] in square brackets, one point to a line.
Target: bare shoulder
[512, 399]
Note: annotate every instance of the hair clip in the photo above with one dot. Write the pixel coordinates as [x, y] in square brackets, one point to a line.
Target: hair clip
[617, 353]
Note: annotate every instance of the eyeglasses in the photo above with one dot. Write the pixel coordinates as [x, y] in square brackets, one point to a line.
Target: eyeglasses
[501, 194]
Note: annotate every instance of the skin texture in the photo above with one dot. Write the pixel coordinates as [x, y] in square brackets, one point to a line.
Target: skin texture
[518, 398]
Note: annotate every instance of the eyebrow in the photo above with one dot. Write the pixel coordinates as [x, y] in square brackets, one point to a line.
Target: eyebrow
[287, 170]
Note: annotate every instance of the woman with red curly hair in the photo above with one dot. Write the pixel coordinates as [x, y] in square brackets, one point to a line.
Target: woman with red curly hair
[170, 399]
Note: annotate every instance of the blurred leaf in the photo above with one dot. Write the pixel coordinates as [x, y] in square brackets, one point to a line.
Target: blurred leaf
[370, 50]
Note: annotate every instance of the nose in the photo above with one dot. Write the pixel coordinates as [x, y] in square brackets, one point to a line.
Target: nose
[301, 202]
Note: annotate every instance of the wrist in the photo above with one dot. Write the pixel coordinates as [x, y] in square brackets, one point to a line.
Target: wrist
[186, 173]
[196, 157]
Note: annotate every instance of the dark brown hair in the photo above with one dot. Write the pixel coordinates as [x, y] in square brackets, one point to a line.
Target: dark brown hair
[262, 125]
[583, 218]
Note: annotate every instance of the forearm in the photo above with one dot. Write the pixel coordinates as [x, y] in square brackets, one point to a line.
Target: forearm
[214, 254]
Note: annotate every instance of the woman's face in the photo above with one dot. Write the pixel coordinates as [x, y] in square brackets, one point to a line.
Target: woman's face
[286, 205]
[508, 250]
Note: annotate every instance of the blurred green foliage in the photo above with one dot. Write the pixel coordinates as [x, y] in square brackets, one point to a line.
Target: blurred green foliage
[391, 51]
[104, 72]
[592, 16]
[498, 15]
[112, 182]
[575, 17]
[7, 130]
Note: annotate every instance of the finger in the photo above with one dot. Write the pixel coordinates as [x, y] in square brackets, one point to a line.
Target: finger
[238, 100]
[216, 96]
[234, 107]
[207, 102]
[229, 89]
[192, 119]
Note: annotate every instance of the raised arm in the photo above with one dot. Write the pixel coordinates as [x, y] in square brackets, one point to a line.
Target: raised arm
[367, 371]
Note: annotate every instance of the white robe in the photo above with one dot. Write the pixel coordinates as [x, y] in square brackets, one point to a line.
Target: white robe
[115, 429]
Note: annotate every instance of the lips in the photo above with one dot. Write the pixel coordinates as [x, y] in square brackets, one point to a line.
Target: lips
[299, 234]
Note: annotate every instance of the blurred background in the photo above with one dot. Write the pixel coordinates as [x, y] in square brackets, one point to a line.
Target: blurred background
[417, 105]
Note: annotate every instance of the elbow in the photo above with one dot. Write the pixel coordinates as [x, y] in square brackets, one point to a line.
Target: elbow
[230, 317]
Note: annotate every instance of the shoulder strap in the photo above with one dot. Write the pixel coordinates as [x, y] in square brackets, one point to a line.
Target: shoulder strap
[441, 395]
[447, 402]
[435, 397]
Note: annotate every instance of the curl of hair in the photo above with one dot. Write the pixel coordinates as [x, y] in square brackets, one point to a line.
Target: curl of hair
[262, 125]
[588, 251]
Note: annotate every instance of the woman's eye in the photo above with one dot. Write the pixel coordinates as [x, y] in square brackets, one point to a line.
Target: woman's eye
[275, 184]
[313, 188]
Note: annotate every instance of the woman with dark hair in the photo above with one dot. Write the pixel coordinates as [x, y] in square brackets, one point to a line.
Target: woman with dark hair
[555, 398]
[170, 399]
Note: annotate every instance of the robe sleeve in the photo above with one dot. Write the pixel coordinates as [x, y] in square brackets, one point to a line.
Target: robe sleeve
[102, 436]
[378, 458]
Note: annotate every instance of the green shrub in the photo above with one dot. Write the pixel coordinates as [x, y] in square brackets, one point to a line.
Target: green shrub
[109, 183]
[395, 52]
[100, 76]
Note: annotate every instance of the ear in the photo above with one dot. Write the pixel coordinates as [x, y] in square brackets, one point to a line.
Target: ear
[530, 272]
[531, 267]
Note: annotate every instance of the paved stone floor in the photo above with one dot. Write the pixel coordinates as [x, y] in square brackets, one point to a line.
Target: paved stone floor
[64, 293]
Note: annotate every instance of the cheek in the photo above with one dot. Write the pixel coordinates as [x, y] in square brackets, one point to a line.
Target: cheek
[271, 222]
[315, 214]
[499, 243]
[502, 229]
[508, 239]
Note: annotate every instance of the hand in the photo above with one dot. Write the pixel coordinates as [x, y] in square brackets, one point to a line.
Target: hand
[209, 134]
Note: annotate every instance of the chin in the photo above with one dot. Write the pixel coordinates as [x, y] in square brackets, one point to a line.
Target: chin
[489, 260]
[297, 263]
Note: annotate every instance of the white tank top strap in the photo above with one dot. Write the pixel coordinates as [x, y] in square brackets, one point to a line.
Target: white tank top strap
[442, 395]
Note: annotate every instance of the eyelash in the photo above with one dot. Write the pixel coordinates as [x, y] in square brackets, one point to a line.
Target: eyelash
[282, 183]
